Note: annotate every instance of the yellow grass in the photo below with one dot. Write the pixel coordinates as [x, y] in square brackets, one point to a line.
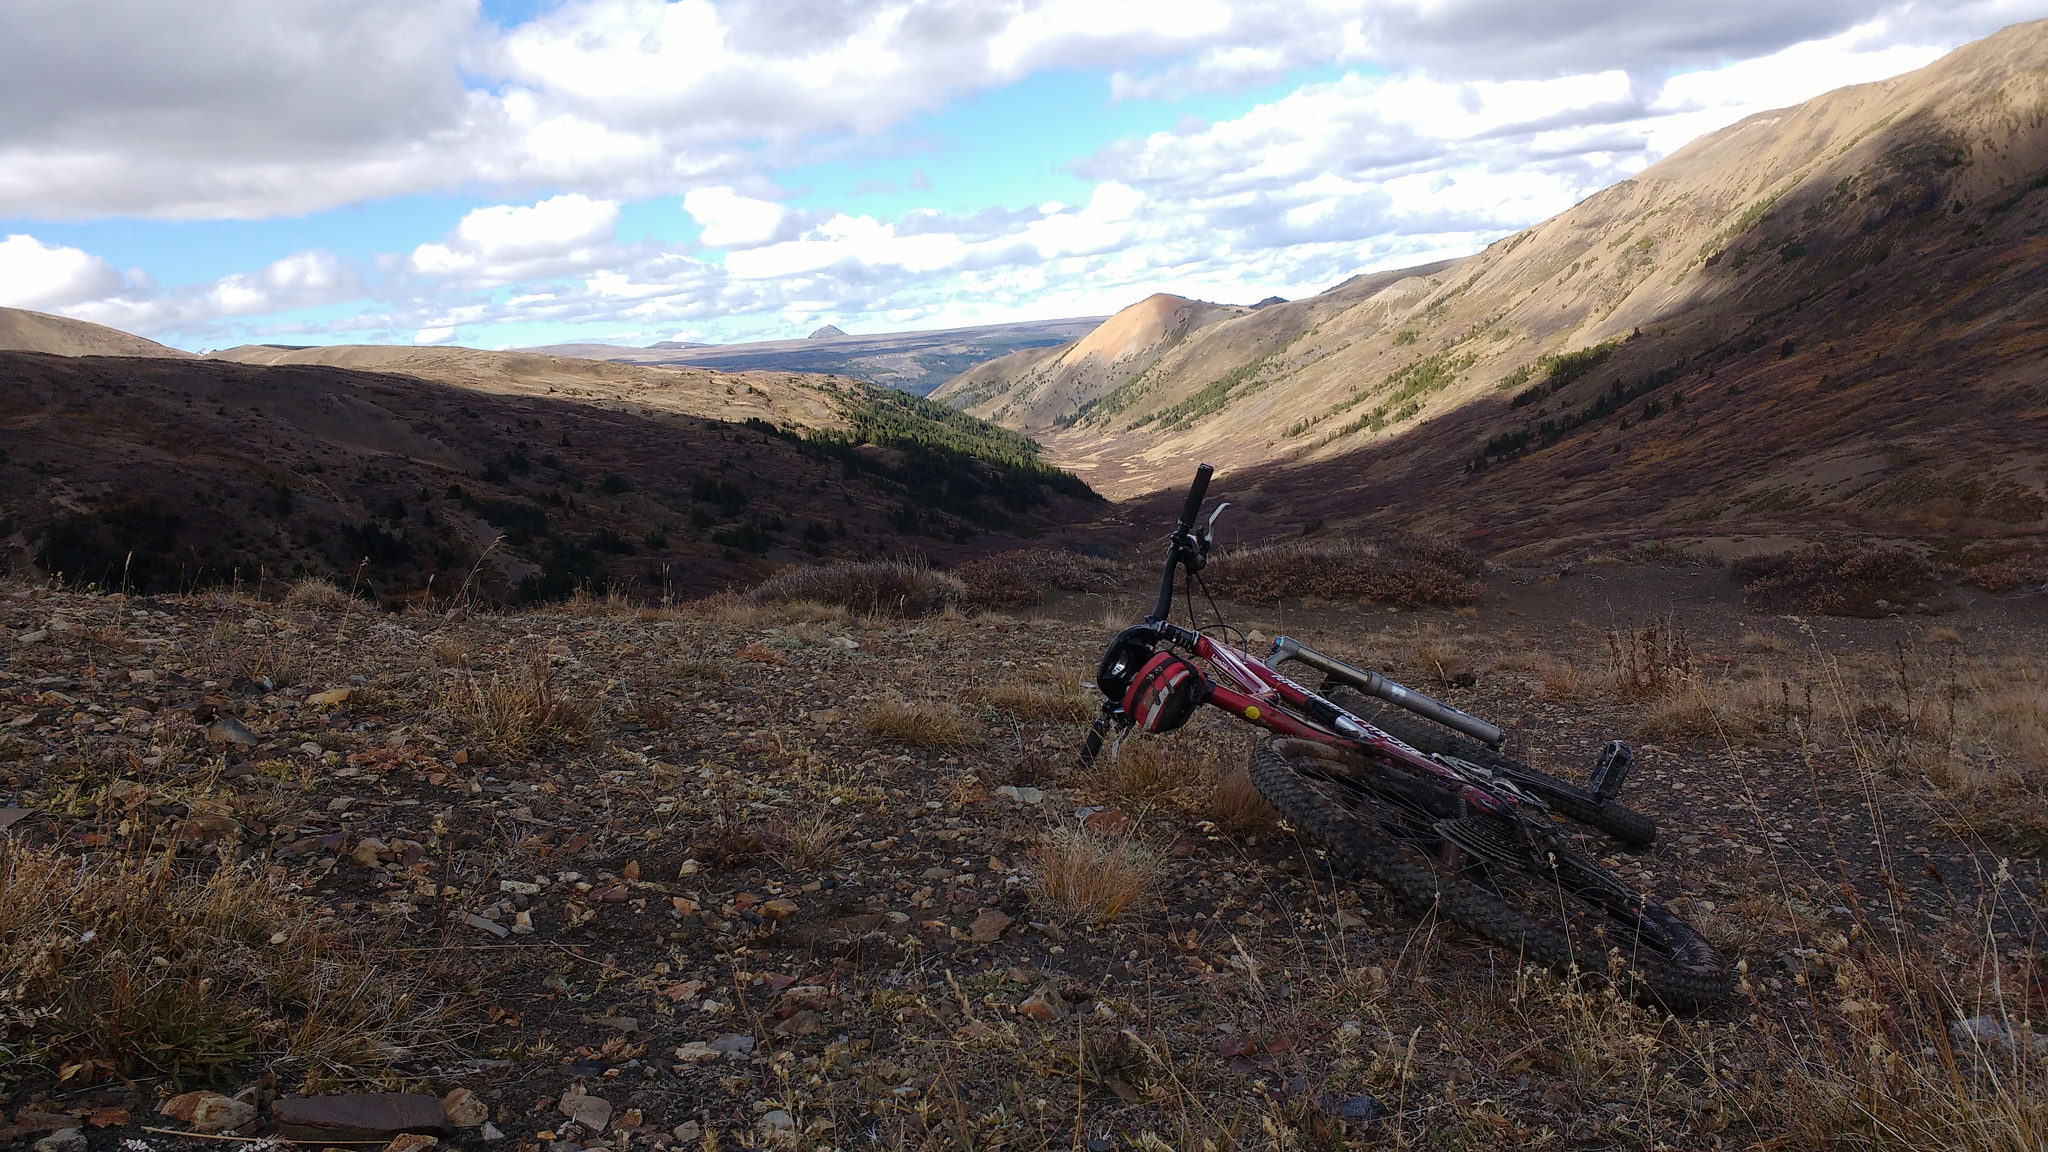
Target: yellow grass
[1089, 879]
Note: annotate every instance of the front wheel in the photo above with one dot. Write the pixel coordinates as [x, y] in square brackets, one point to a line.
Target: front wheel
[1561, 910]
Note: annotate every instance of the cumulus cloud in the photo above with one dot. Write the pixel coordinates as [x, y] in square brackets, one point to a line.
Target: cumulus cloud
[48, 278]
[1463, 119]
[730, 220]
[506, 243]
[239, 108]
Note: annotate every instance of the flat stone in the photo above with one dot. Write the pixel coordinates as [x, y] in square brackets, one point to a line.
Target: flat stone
[329, 698]
[734, 1044]
[696, 1052]
[358, 1116]
[228, 730]
[1360, 1109]
[1020, 794]
[412, 1142]
[63, 1140]
[592, 1112]
[988, 926]
[804, 1023]
[476, 921]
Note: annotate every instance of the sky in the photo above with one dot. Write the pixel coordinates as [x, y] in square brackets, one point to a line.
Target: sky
[509, 173]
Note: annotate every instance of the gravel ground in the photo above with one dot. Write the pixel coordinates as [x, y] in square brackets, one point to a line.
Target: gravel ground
[723, 891]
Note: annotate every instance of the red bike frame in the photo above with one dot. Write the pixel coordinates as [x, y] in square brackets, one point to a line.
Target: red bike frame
[1259, 689]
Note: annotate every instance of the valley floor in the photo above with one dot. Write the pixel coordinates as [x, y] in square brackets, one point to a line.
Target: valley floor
[781, 876]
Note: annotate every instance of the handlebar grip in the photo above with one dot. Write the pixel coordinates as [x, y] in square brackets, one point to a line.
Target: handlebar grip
[1196, 491]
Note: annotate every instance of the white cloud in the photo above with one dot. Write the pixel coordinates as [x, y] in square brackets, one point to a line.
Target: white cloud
[506, 243]
[301, 280]
[730, 220]
[1466, 119]
[243, 108]
[48, 278]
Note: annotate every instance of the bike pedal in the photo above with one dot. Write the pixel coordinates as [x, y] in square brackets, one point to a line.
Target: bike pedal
[1610, 771]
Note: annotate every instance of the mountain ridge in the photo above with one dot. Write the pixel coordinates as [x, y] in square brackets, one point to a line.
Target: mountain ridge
[914, 362]
[23, 330]
[1863, 227]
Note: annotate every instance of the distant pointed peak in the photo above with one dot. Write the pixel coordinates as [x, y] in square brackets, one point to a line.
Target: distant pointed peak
[828, 332]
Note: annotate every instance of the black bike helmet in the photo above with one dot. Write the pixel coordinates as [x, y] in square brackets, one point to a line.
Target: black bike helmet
[1120, 664]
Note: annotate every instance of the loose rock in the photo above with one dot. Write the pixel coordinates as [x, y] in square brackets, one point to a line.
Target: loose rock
[358, 1117]
[1044, 1005]
[988, 926]
[593, 1112]
[209, 1112]
[66, 1140]
[464, 1109]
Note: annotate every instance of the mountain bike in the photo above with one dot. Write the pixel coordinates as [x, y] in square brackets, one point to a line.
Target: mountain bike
[1425, 803]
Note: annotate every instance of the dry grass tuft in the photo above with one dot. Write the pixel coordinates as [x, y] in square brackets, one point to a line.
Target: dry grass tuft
[613, 604]
[1021, 578]
[807, 843]
[1028, 701]
[1148, 770]
[1403, 570]
[138, 966]
[1763, 642]
[925, 724]
[1559, 680]
[1738, 709]
[1235, 802]
[748, 614]
[276, 663]
[1644, 663]
[871, 587]
[1089, 879]
[313, 592]
[515, 713]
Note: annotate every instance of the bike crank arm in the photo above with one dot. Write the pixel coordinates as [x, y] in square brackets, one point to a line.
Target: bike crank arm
[1373, 684]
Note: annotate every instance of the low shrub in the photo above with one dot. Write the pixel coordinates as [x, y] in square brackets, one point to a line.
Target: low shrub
[2011, 574]
[1840, 578]
[1022, 578]
[874, 587]
[1407, 571]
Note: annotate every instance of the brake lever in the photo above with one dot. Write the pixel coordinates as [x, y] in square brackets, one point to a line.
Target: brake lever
[1207, 535]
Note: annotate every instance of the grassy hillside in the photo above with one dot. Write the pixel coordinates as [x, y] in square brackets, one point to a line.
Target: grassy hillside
[158, 475]
[1823, 317]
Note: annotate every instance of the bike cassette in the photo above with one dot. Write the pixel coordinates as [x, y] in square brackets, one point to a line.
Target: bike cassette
[1490, 780]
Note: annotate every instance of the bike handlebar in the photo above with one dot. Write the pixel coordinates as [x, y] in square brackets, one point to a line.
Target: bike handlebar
[1196, 491]
[1182, 540]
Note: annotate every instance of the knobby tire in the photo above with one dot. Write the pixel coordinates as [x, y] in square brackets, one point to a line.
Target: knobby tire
[1363, 813]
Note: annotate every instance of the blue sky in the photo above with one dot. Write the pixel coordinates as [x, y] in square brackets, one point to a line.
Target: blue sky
[535, 171]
